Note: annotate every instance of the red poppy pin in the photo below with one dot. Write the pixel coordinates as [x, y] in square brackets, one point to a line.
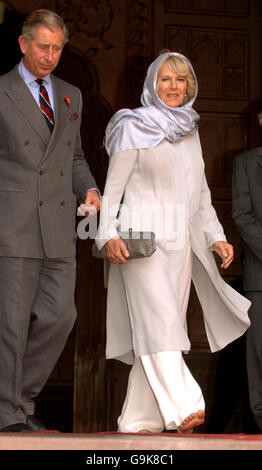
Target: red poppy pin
[67, 100]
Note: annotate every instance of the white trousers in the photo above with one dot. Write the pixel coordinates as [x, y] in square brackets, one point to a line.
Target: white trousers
[161, 393]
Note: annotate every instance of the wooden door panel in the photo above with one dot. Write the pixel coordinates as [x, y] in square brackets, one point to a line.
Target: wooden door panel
[223, 41]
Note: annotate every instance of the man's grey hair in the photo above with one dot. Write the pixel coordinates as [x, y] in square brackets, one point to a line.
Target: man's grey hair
[46, 18]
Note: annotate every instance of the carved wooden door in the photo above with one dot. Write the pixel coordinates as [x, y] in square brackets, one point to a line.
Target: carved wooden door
[223, 41]
[222, 38]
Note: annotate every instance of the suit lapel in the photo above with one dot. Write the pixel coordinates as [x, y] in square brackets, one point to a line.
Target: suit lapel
[61, 115]
[23, 99]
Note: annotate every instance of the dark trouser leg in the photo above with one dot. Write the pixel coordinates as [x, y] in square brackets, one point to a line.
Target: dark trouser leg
[254, 356]
[37, 313]
[18, 285]
[53, 317]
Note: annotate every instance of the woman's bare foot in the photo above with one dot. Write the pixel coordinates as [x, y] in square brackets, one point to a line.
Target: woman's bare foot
[143, 431]
[193, 420]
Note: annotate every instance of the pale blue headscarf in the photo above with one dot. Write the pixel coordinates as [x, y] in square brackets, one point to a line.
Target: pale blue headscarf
[148, 125]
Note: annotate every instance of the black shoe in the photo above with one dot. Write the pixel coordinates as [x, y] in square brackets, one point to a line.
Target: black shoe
[34, 424]
[17, 427]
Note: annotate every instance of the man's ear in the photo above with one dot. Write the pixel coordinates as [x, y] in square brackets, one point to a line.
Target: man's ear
[22, 44]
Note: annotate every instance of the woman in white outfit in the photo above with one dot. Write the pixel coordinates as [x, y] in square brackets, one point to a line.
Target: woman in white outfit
[156, 182]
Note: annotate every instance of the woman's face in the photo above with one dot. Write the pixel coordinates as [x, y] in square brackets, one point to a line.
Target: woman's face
[171, 88]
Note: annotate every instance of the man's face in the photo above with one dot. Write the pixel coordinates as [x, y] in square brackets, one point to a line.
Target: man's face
[42, 54]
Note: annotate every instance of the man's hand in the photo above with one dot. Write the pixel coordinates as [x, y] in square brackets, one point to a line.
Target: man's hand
[225, 251]
[92, 199]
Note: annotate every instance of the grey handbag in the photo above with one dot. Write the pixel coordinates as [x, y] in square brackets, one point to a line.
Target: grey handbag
[139, 244]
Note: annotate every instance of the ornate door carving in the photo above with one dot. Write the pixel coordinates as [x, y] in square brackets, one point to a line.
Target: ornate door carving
[223, 41]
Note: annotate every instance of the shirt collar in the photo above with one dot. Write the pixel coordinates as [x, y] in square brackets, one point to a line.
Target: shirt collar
[28, 78]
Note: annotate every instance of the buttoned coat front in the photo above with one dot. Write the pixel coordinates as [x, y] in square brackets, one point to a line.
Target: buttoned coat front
[41, 176]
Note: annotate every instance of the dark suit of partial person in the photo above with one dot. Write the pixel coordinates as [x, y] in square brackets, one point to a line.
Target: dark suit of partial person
[247, 214]
[42, 178]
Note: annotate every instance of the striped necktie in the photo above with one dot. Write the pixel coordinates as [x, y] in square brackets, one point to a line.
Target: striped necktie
[45, 105]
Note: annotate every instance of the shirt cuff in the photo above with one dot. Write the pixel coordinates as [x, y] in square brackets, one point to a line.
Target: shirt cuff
[94, 189]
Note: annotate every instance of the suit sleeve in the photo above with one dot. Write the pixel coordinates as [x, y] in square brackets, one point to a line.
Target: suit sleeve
[247, 225]
[83, 179]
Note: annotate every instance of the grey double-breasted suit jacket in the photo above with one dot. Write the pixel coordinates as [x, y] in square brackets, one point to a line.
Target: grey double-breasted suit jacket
[42, 177]
[247, 213]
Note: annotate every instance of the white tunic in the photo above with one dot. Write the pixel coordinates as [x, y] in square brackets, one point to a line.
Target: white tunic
[164, 189]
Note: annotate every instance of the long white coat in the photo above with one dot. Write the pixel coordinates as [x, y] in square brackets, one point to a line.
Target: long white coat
[168, 182]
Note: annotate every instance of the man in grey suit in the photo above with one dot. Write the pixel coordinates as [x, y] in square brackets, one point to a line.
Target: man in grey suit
[43, 176]
[247, 214]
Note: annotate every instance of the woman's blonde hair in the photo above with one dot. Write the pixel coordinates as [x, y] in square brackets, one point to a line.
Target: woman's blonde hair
[181, 67]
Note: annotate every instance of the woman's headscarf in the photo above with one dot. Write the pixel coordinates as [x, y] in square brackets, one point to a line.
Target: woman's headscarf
[148, 125]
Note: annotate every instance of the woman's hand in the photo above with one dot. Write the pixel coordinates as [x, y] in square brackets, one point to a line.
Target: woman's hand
[116, 251]
[225, 251]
